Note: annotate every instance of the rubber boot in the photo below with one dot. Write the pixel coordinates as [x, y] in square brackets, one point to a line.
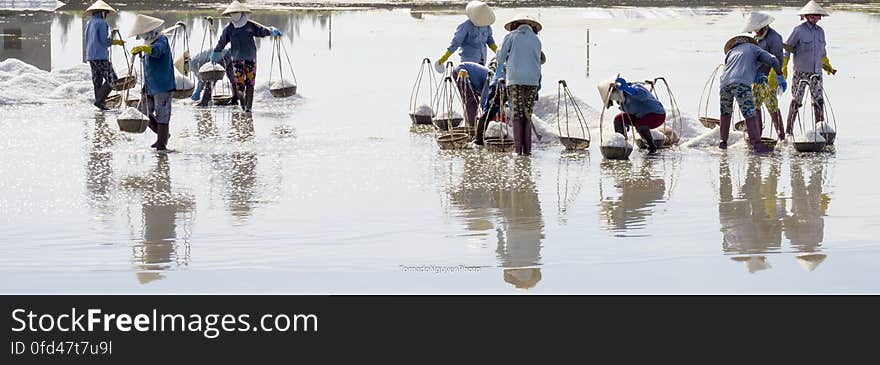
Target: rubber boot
[724, 125]
[101, 95]
[248, 99]
[206, 94]
[154, 126]
[162, 137]
[792, 115]
[760, 118]
[645, 132]
[519, 125]
[752, 128]
[776, 117]
[527, 137]
[482, 123]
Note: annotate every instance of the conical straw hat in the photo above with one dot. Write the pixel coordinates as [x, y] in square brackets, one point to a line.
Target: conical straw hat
[144, 24]
[236, 7]
[813, 8]
[480, 13]
[523, 19]
[810, 262]
[100, 5]
[737, 39]
[524, 278]
[757, 21]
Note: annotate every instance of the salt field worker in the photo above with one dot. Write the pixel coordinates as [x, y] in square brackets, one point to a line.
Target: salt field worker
[639, 109]
[98, 40]
[472, 36]
[807, 44]
[742, 55]
[239, 34]
[490, 103]
[204, 90]
[158, 76]
[766, 80]
[521, 55]
[472, 81]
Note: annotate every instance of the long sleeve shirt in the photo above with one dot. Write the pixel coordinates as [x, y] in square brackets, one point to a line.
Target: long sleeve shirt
[741, 64]
[473, 41]
[242, 40]
[807, 43]
[159, 67]
[641, 102]
[97, 36]
[772, 42]
[520, 53]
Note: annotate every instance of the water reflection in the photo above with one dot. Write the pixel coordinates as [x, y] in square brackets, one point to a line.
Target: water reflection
[27, 36]
[639, 191]
[498, 193]
[805, 223]
[99, 167]
[164, 211]
[570, 172]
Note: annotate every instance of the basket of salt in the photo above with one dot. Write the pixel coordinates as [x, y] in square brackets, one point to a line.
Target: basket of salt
[183, 86]
[811, 141]
[113, 101]
[422, 114]
[453, 140]
[565, 102]
[827, 132]
[211, 72]
[658, 137]
[710, 122]
[444, 121]
[422, 95]
[281, 87]
[496, 144]
[132, 120]
[615, 147]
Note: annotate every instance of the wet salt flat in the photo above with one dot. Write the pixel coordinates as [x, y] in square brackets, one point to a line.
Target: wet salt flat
[332, 191]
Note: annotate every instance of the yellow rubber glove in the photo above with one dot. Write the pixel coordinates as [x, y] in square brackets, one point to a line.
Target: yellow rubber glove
[445, 57]
[826, 65]
[145, 49]
[771, 79]
[493, 47]
[785, 68]
[117, 42]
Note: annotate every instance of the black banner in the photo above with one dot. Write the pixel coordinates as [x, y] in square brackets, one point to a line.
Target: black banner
[111, 329]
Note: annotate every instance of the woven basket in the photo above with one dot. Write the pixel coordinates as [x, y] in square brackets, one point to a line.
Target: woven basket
[740, 126]
[132, 102]
[498, 144]
[442, 124]
[133, 125]
[123, 83]
[221, 99]
[213, 75]
[615, 153]
[809, 146]
[470, 130]
[420, 119]
[575, 144]
[829, 137]
[182, 94]
[112, 101]
[451, 141]
[283, 92]
[710, 122]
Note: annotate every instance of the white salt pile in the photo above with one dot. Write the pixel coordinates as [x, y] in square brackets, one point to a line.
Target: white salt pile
[615, 140]
[824, 127]
[182, 82]
[211, 67]
[423, 110]
[446, 115]
[281, 84]
[657, 135]
[810, 136]
[131, 113]
[498, 130]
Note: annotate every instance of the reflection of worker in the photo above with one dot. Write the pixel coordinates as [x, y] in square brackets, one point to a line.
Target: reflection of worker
[751, 222]
[807, 44]
[640, 109]
[97, 43]
[472, 36]
[639, 192]
[202, 58]
[805, 225]
[766, 81]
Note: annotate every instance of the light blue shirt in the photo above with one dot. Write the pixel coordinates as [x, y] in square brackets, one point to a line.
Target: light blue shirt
[520, 53]
[772, 42]
[97, 36]
[159, 67]
[641, 102]
[741, 64]
[807, 43]
[473, 41]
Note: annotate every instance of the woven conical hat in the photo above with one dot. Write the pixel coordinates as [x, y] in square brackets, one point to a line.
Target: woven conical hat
[733, 41]
[236, 7]
[480, 13]
[100, 5]
[144, 24]
[757, 21]
[813, 8]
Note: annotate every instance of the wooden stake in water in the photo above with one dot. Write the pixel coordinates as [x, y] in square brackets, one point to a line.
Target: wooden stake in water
[588, 52]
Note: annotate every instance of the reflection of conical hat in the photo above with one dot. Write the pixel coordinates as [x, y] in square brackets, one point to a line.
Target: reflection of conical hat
[100, 5]
[813, 8]
[754, 263]
[144, 24]
[236, 7]
[757, 21]
[523, 278]
[480, 13]
[811, 261]
[737, 39]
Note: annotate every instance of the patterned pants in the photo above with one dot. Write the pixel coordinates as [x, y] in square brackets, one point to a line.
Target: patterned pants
[245, 73]
[743, 95]
[815, 83]
[102, 71]
[765, 96]
[522, 99]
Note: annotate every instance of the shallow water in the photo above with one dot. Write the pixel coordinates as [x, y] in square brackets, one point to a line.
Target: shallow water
[333, 192]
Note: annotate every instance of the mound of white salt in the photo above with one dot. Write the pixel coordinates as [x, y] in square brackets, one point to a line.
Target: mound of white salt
[498, 130]
[615, 140]
[810, 136]
[423, 110]
[182, 82]
[824, 127]
[211, 67]
[446, 115]
[281, 84]
[132, 113]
